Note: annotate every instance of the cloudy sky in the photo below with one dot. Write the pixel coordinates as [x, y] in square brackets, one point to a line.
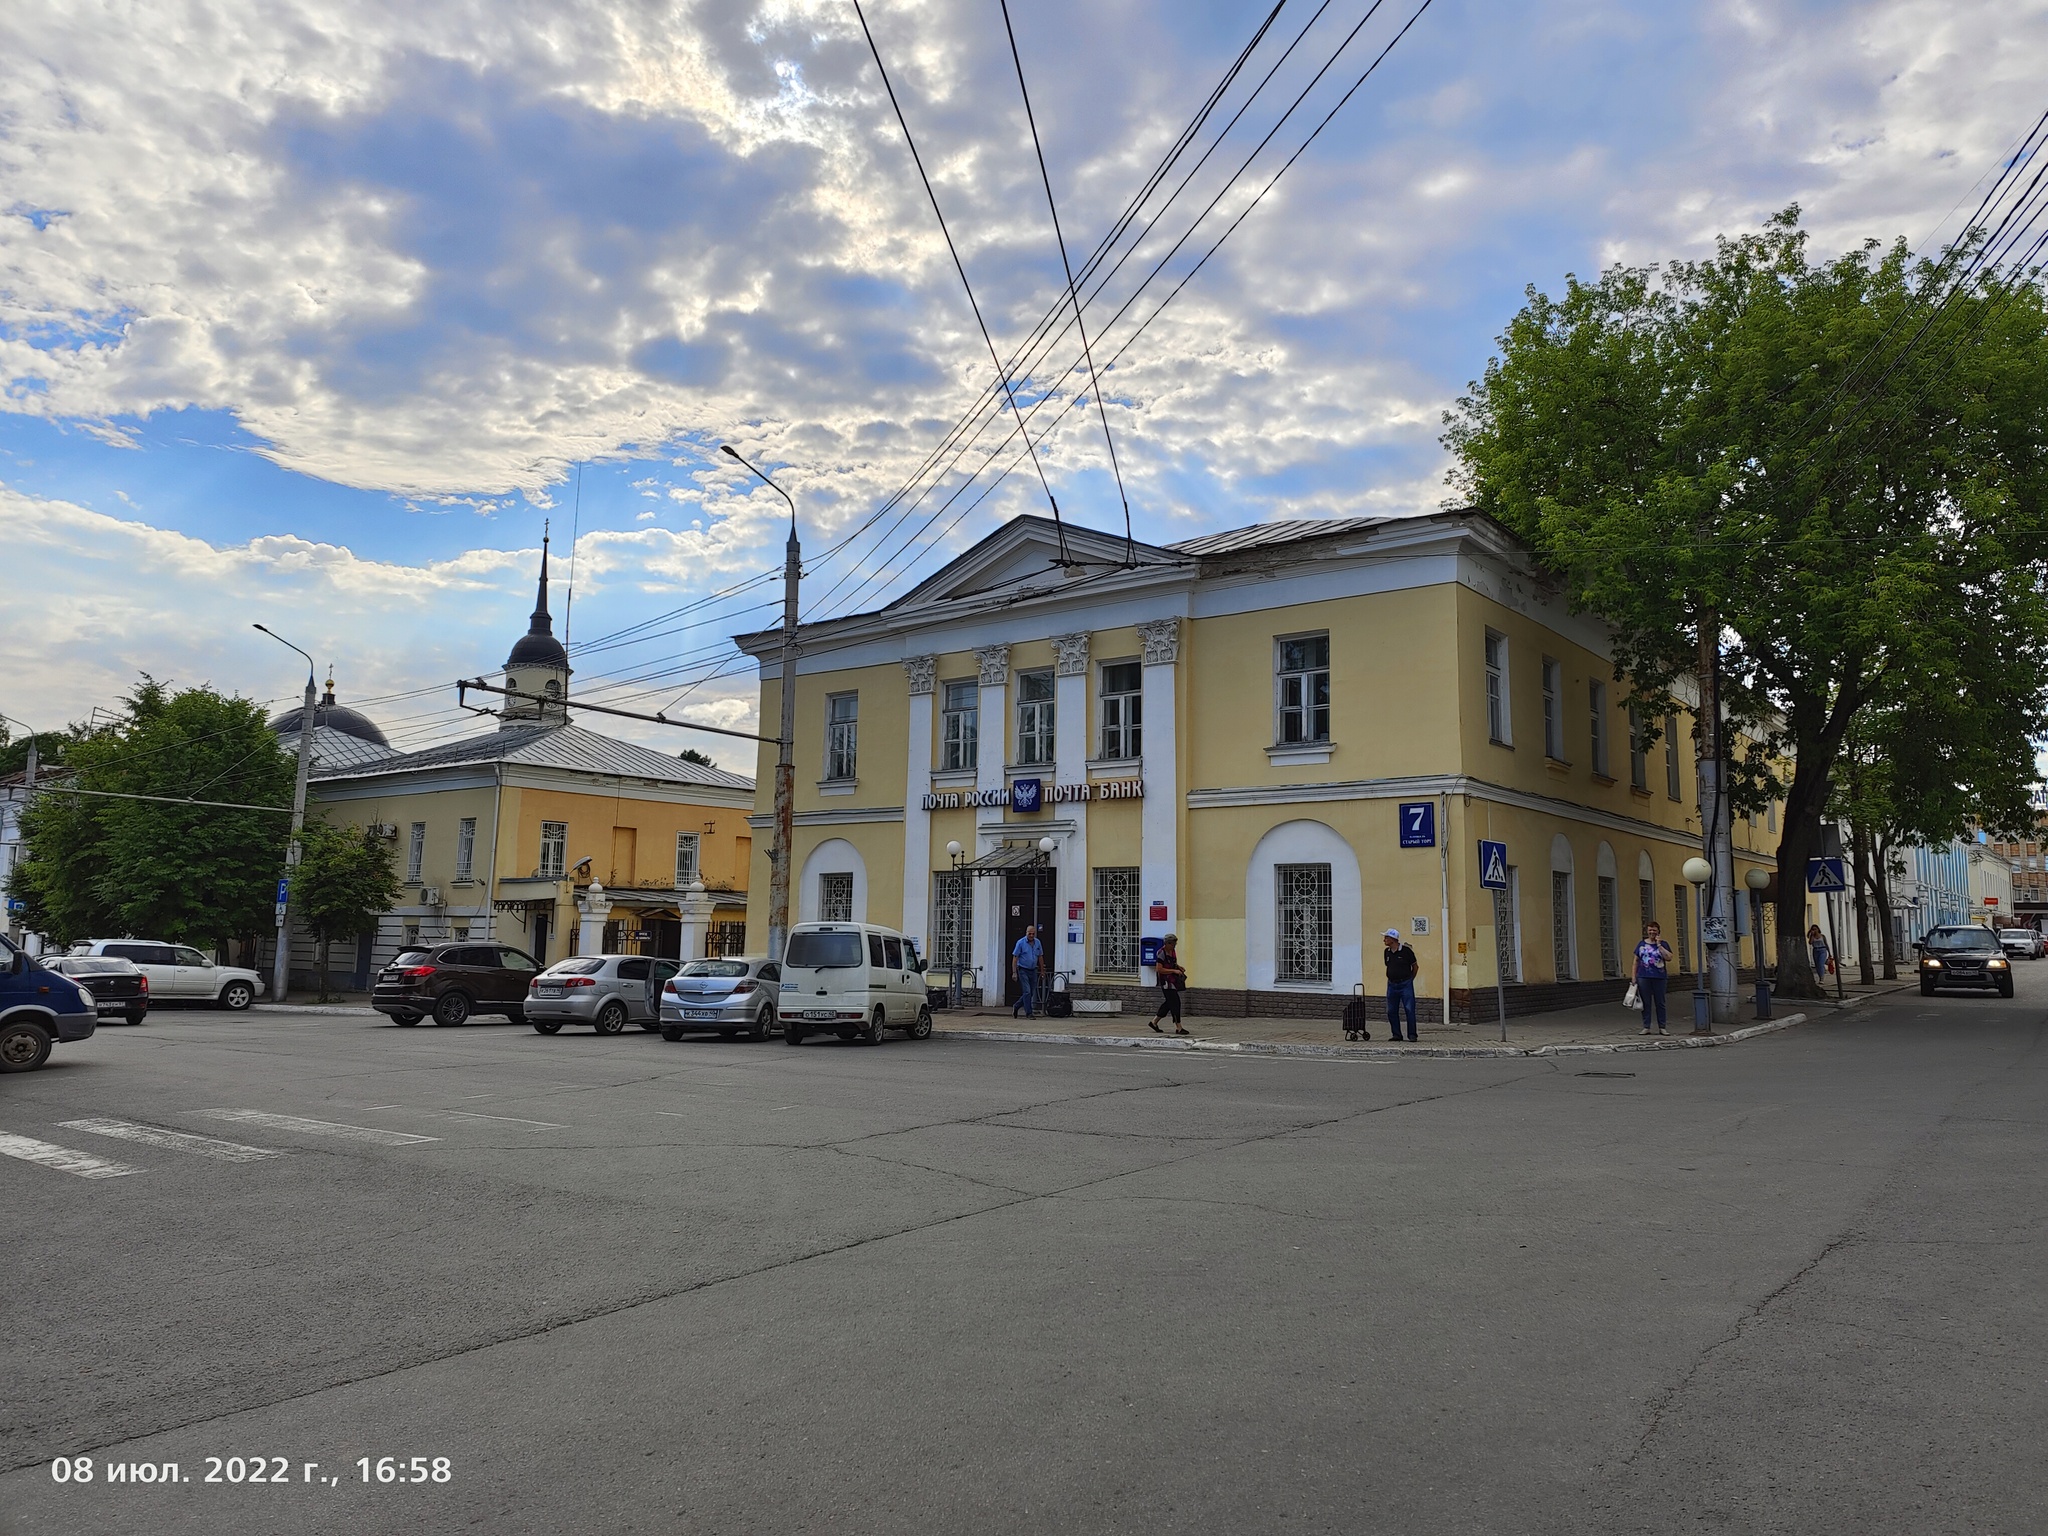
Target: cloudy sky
[311, 312]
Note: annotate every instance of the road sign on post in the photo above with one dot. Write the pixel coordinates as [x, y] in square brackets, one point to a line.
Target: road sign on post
[1493, 866]
[1825, 875]
[1418, 824]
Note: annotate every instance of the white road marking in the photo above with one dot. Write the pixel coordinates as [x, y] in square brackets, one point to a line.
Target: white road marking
[63, 1159]
[176, 1141]
[371, 1133]
[470, 1114]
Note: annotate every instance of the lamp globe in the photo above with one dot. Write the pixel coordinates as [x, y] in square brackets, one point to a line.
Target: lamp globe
[1698, 871]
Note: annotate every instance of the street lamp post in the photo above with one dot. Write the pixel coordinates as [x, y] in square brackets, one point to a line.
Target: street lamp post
[280, 965]
[1698, 872]
[785, 759]
[1756, 880]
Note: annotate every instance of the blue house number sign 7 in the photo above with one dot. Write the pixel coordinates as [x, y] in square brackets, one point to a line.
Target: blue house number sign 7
[1418, 824]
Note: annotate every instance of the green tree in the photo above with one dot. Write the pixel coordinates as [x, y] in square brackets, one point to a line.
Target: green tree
[345, 882]
[1705, 453]
[100, 864]
[692, 755]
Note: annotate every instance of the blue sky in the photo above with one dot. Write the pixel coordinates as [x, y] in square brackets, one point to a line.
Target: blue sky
[310, 311]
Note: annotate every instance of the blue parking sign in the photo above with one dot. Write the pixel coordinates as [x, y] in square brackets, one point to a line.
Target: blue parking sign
[1418, 823]
[1493, 866]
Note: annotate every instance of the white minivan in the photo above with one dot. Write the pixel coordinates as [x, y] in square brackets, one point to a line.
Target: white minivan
[852, 979]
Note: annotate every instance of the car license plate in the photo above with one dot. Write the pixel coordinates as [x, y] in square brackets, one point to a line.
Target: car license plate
[548, 992]
[818, 1013]
[700, 1013]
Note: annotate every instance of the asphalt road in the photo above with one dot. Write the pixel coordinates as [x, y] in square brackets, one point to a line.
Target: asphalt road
[1794, 1285]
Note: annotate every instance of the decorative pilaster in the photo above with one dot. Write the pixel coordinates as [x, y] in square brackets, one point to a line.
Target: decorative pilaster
[1161, 639]
[994, 662]
[923, 672]
[1070, 654]
[1159, 821]
[917, 821]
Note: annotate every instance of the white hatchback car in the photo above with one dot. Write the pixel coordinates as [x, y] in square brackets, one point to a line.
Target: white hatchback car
[852, 979]
[178, 973]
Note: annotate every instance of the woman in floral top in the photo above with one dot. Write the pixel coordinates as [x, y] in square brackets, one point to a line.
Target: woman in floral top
[1653, 965]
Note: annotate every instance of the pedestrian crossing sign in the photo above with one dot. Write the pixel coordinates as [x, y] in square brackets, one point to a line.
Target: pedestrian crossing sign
[1825, 875]
[1493, 866]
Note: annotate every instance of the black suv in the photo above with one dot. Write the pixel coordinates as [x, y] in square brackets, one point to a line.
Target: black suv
[1964, 956]
[451, 981]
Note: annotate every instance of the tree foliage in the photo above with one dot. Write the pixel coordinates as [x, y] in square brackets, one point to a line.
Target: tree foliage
[1712, 444]
[95, 865]
[346, 880]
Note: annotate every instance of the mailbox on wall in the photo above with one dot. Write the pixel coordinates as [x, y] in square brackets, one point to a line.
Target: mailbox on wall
[1148, 951]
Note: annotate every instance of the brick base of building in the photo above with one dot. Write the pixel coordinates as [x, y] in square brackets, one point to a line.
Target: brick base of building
[1229, 1003]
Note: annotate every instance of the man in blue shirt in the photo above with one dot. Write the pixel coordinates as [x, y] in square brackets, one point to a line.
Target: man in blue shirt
[1025, 960]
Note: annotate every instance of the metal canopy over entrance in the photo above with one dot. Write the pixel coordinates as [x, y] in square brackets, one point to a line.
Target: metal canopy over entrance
[1009, 859]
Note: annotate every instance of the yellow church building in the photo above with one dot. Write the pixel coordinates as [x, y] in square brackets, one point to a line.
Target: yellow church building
[1275, 743]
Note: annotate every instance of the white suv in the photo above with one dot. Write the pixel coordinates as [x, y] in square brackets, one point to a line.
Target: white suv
[852, 979]
[178, 973]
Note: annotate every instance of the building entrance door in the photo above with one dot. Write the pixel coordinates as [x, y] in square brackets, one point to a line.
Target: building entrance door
[540, 937]
[1028, 898]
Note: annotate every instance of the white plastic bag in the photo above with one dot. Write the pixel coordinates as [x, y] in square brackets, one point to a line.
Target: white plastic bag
[1631, 998]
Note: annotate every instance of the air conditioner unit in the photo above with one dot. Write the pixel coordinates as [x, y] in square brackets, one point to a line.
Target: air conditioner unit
[383, 829]
[430, 896]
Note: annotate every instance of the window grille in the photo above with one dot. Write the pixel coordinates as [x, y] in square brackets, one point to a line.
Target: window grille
[1496, 687]
[1561, 923]
[554, 849]
[835, 898]
[1123, 709]
[416, 851]
[1302, 926]
[1507, 953]
[1596, 698]
[1610, 927]
[1671, 785]
[952, 921]
[1648, 896]
[961, 726]
[1304, 683]
[465, 849]
[1638, 754]
[686, 859]
[842, 735]
[1553, 723]
[1116, 922]
[725, 941]
[1035, 711]
[1682, 939]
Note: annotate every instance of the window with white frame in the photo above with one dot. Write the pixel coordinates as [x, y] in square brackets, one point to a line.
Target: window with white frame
[835, 897]
[1638, 753]
[1497, 688]
[1553, 708]
[960, 727]
[686, 859]
[1672, 787]
[1302, 676]
[1035, 716]
[1122, 702]
[1116, 922]
[1302, 927]
[1596, 702]
[416, 851]
[952, 921]
[842, 735]
[554, 849]
[465, 848]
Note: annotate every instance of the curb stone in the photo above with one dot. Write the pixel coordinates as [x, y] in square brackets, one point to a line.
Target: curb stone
[331, 1010]
[1369, 1052]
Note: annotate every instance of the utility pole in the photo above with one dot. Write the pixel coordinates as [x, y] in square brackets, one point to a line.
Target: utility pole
[280, 965]
[1717, 830]
[785, 761]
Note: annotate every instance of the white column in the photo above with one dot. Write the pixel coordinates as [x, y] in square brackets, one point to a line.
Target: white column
[1158, 825]
[990, 915]
[695, 910]
[594, 906]
[1073, 731]
[917, 821]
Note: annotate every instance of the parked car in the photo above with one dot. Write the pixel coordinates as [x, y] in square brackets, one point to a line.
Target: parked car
[118, 986]
[178, 973]
[607, 992]
[1964, 956]
[852, 979]
[454, 980]
[38, 1008]
[2025, 942]
[742, 995]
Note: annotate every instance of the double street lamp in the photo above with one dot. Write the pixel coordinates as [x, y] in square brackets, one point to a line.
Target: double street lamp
[280, 965]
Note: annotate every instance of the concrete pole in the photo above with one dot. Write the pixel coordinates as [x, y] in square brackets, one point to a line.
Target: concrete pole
[1717, 830]
[785, 755]
[281, 962]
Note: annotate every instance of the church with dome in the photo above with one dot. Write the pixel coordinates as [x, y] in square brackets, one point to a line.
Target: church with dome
[532, 833]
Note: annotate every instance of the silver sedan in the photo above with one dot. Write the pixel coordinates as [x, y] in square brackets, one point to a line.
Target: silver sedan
[607, 992]
[737, 996]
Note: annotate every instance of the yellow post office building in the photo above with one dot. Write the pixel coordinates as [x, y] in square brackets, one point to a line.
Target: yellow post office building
[1275, 743]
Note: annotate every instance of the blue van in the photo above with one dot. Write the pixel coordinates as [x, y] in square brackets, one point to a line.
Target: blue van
[37, 1008]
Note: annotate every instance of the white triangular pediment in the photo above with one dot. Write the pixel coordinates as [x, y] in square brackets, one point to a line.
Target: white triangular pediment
[1021, 554]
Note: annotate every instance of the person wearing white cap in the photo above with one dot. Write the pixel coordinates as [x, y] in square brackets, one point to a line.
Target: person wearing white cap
[1402, 968]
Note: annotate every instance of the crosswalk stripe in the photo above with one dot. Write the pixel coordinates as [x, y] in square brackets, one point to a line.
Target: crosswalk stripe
[381, 1137]
[63, 1159]
[176, 1141]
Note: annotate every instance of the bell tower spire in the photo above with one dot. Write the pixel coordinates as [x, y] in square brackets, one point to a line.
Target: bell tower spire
[538, 664]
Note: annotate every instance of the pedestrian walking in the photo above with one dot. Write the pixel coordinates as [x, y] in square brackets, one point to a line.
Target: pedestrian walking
[1817, 942]
[1402, 969]
[1653, 976]
[1025, 959]
[1172, 981]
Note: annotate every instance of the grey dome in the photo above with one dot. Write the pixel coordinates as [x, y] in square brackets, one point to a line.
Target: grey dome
[333, 716]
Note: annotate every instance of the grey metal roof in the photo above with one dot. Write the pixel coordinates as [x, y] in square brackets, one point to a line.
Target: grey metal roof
[568, 747]
[333, 748]
[1260, 534]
